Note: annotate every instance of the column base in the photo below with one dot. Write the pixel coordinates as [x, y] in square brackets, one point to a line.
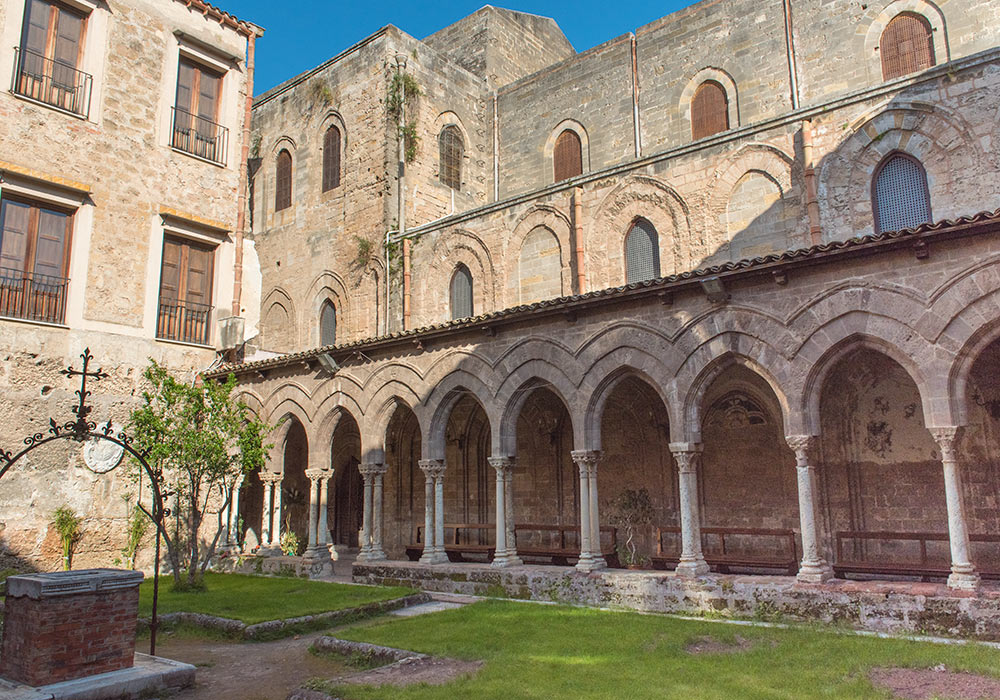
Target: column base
[692, 568]
[505, 560]
[965, 581]
[814, 572]
[376, 555]
[591, 563]
[434, 558]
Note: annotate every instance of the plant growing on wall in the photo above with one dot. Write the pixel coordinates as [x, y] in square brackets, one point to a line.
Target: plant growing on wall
[403, 93]
[138, 526]
[365, 249]
[289, 543]
[204, 441]
[631, 510]
[67, 524]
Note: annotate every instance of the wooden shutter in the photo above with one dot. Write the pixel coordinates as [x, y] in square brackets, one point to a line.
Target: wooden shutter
[170, 273]
[69, 32]
[15, 219]
[709, 110]
[451, 151]
[642, 253]
[208, 95]
[36, 31]
[283, 182]
[900, 194]
[198, 282]
[568, 156]
[906, 46]
[331, 159]
[327, 325]
[50, 247]
[461, 293]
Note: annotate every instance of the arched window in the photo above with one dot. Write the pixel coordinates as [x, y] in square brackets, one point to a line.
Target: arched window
[900, 198]
[567, 157]
[452, 150]
[331, 159]
[327, 324]
[642, 253]
[906, 46]
[283, 181]
[709, 110]
[461, 292]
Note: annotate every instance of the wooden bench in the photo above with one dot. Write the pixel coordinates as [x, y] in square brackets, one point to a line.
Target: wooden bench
[721, 559]
[924, 567]
[462, 540]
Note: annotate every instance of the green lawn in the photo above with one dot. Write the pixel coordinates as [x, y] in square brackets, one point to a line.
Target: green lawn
[254, 599]
[548, 652]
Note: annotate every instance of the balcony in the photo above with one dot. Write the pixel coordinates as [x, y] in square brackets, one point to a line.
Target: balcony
[31, 296]
[198, 136]
[183, 321]
[52, 83]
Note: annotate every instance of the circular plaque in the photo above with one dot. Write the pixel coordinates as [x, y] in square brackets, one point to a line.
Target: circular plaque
[101, 455]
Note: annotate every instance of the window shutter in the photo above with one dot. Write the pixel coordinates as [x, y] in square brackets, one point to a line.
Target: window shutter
[69, 27]
[709, 110]
[16, 218]
[461, 293]
[50, 248]
[906, 46]
[327, 325]
[170, 274]
[642, 253]
[451, 150]
[283, 183]
[331, 159]
[901, 196]
[208, 96]
[568, 156]
[36, 32]
[198, 287]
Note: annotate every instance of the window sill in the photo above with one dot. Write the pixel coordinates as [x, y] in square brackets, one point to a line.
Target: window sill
[46, 105]
[197, 157]
[186, 344]
[46, 324]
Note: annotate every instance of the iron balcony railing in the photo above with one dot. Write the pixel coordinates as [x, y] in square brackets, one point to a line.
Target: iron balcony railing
[31, 296]
[51, 82]
[184, 321]
[199, 136]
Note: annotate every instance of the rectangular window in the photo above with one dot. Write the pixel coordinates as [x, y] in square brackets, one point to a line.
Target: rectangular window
[185, 291]
[196, 113]
[34, 260]
[46, 62]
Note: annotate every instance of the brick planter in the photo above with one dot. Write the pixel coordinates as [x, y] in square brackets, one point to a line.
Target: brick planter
[69, 624]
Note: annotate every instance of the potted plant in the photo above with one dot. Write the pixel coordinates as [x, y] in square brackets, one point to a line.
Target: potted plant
[631, 510]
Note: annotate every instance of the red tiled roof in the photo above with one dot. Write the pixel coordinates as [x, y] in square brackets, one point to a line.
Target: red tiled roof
[224, 18]
[662, 284]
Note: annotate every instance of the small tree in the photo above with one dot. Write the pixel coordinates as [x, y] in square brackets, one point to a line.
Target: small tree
[138, 526]
[203, 441]
[68, 526]
[631, 509]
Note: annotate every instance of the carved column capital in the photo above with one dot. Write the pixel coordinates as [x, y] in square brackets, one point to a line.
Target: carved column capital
[370, 469]
[587, 461]
[804, 448]
[688, 456]
[270, 477]
[315, 473]
[503, 465]
[432, 468]
[947, 439]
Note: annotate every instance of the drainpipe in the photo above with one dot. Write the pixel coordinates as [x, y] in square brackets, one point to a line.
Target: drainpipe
[790, 48]
[401, 189]
[635, 99]
[812, 200]
[496, 150]
[581, 277]
[241, 201]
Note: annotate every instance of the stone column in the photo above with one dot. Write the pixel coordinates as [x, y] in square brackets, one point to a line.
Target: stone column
[233, 516]
[433, 470]
[324, 525]
[692, 561]
[963, 573]
[590, 522]
[376, 552]
[276, 527]
[367, 470]
[265, 517]
[814, 568]
[314, 476]
[506, 544]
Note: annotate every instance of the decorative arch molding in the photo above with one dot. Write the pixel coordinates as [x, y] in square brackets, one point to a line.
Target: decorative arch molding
[961, 368]
[939, 138]
[251, 400]
[513, 396]
[462, 360]
[278, 297]
[719, 76]
[550, 144]
[748, 322]
[544, 216]
[639, 196]
[321, 444]
[450, 118]
[333, 117]
[541, 348]
[879, 20]
[391, 389]
[605, 385]
[329, 286]
[439, 404]
[290, 397]
[283, 143]
[856, 295]
[451, 248]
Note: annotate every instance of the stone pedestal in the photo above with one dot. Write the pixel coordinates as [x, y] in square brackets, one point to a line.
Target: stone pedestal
[69, 624]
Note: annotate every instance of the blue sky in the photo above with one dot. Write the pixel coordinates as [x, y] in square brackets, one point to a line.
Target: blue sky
[304, 33]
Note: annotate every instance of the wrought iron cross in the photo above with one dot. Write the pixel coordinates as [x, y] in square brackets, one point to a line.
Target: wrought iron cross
[81, 426]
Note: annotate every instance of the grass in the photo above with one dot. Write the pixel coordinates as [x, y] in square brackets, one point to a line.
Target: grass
[558, 652]
[253, 599]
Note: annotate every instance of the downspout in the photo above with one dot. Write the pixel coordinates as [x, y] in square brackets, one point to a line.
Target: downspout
[401, 191]
[812, 200]
[241, 200]
[790, 48]
[581, 277]
[496, 150]
[635, 99]
[385, 309]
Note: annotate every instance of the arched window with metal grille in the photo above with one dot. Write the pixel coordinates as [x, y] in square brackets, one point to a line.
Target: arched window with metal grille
[461, 292]
[331, 159]
[900, 196]
[709, 110]
[327, 324]
[567, 157]
[283, 181]
[906, 45]
[452, 150]
[642, 252]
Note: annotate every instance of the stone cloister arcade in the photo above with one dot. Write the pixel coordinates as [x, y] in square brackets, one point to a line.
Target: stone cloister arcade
[859, 416]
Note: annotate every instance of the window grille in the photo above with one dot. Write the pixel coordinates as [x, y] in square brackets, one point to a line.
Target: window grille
[902, 199]
[327, 325]
[567, 156]
[709, 110]
[283, 182]
[642, 253]
[451, 151]
[461, 293]
[331, 159]
[906, 46]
